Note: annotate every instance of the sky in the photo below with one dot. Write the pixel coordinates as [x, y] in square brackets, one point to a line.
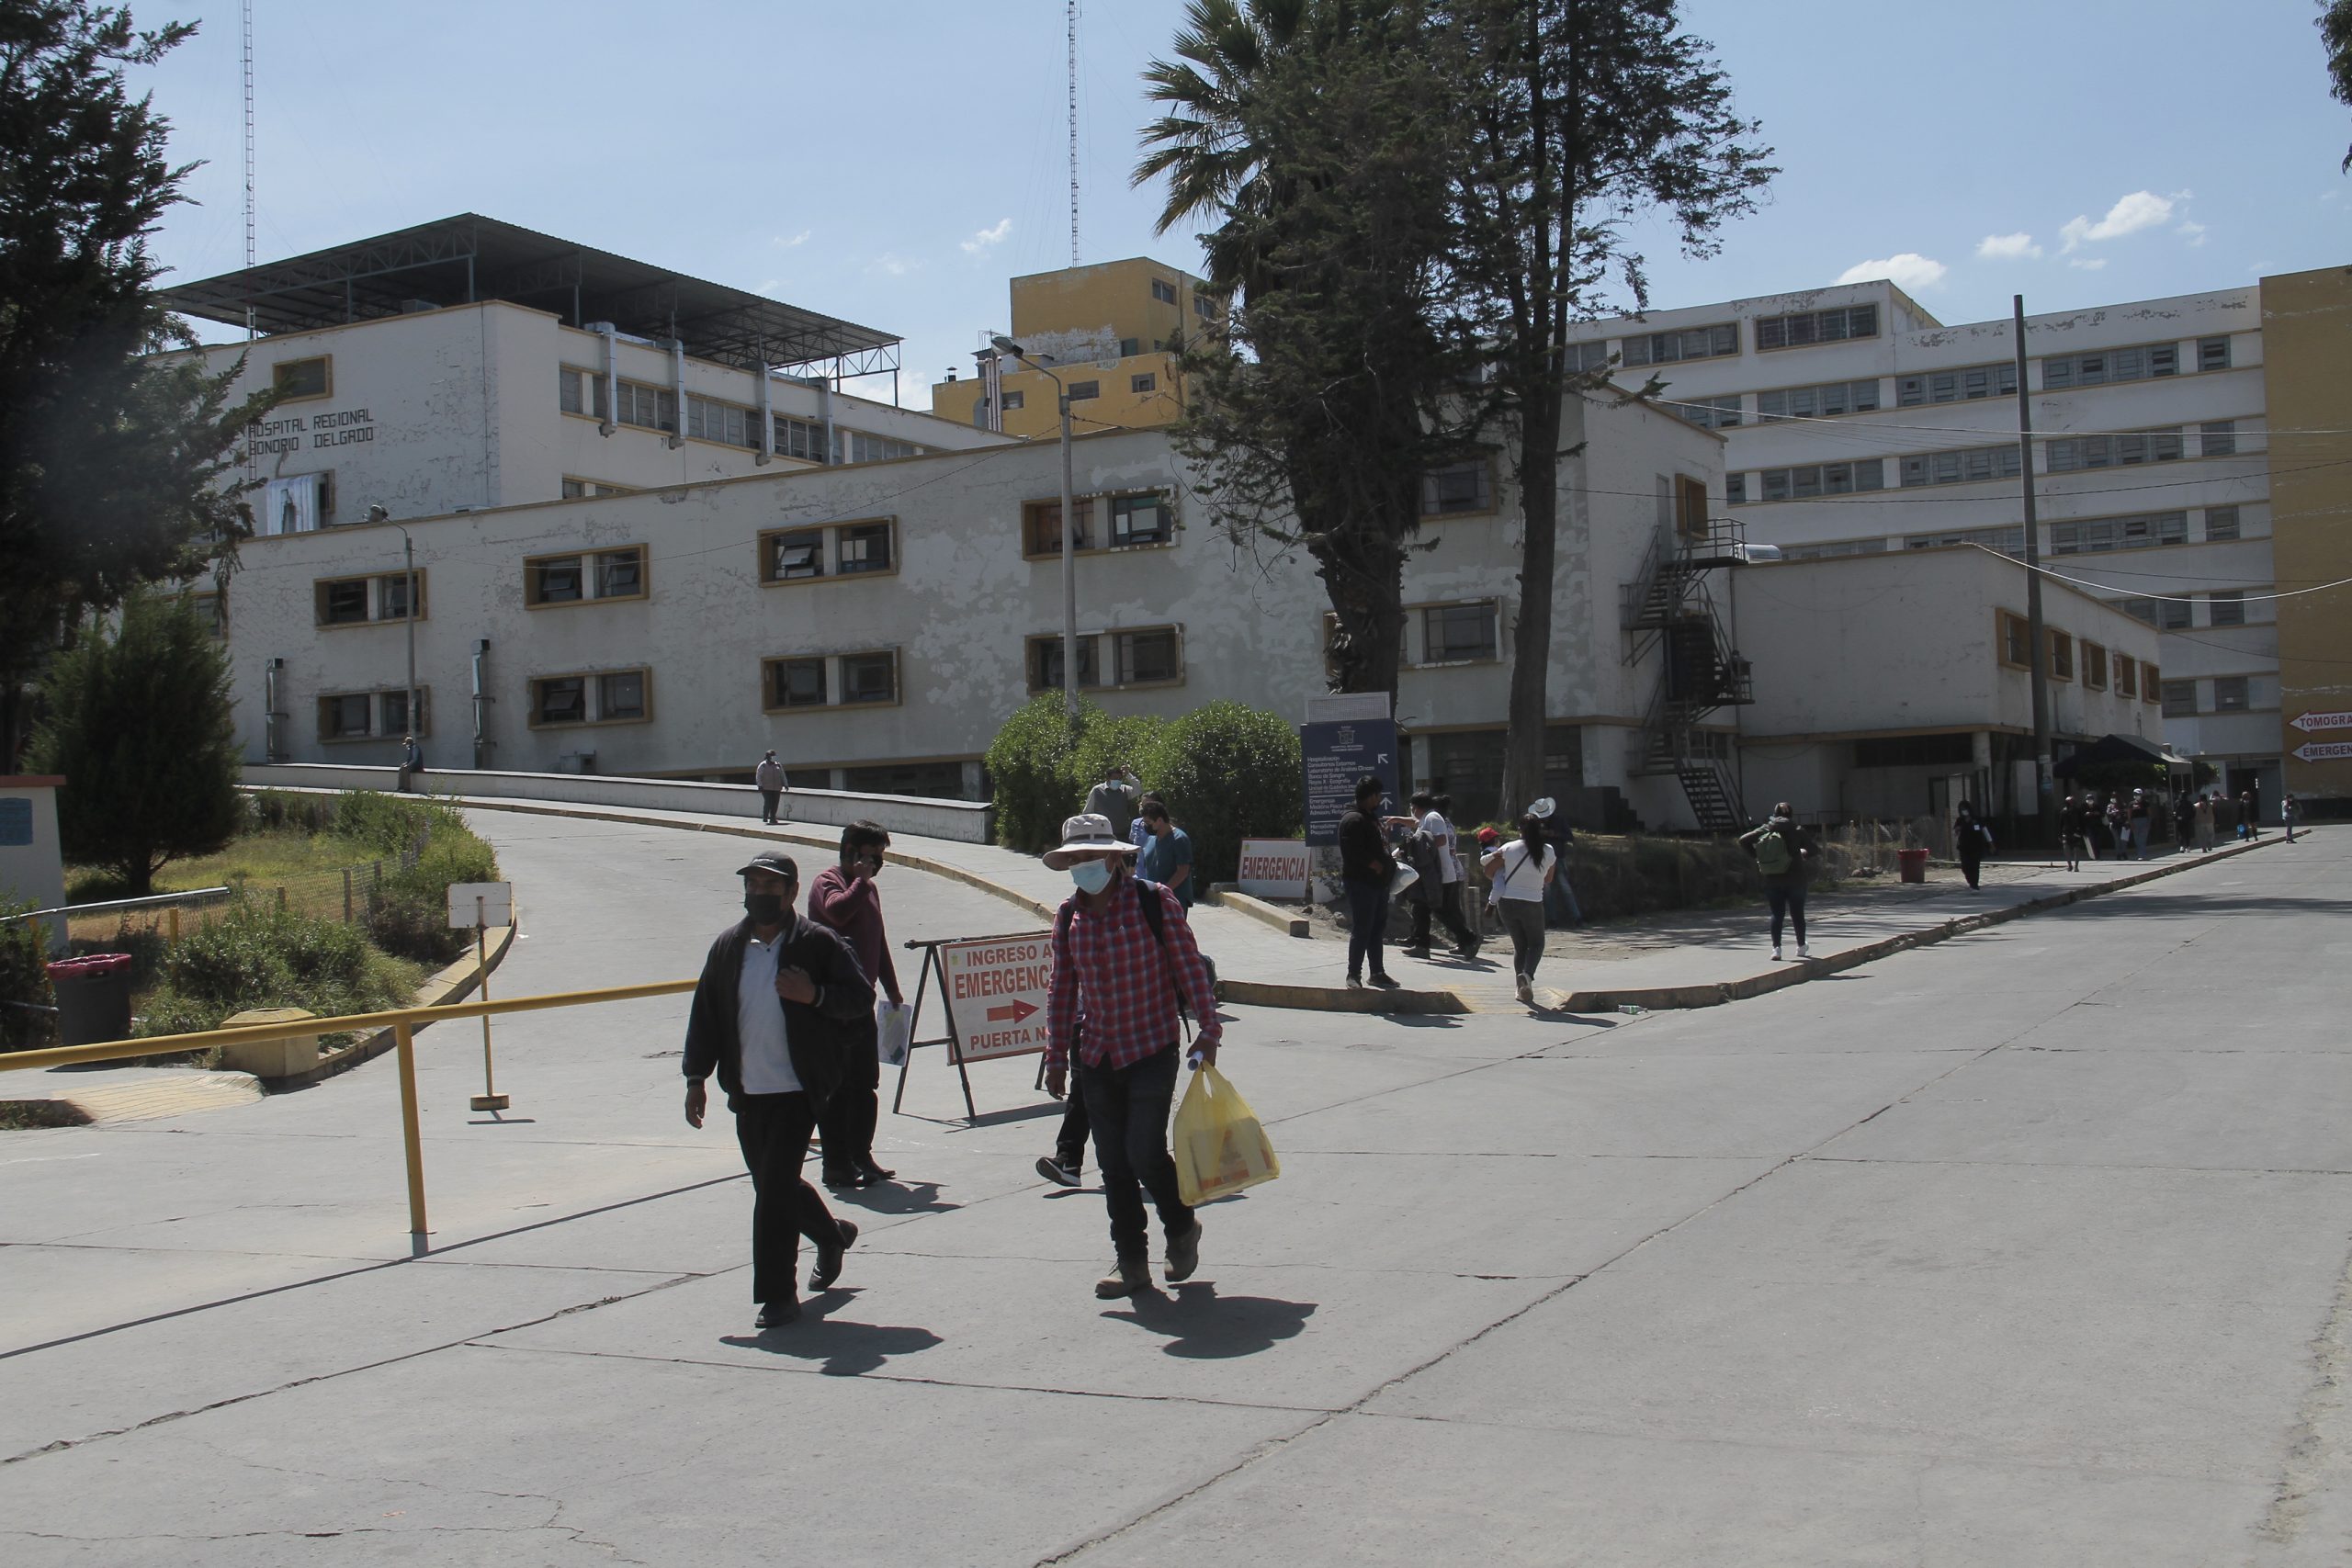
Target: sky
[894, 164]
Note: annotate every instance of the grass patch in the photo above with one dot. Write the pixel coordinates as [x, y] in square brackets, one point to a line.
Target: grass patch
[20, 1115]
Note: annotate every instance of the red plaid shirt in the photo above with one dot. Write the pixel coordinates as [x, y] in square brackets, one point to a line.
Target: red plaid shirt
[1108, 968]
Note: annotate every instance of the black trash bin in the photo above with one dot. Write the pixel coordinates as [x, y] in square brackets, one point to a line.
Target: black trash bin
[93, 997]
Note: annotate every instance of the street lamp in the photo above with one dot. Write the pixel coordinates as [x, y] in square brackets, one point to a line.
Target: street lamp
[1003, 345]
[408, 610]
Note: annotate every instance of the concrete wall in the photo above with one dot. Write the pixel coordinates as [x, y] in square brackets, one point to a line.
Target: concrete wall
[33, 872]
[2310, 318]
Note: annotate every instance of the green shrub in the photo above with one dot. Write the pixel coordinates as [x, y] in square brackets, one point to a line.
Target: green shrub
[1229, 772]
[257, 955]
[271, 809]
[24, 981]
[392, 824]
[1033, 765]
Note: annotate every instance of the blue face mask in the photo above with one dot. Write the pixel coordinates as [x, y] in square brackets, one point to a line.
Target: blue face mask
[1091, 875]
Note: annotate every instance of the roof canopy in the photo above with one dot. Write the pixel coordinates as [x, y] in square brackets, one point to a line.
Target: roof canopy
[2118, 749]
[461, 260]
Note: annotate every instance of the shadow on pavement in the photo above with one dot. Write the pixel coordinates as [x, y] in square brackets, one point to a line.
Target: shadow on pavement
[844, 1349]
[894, 1198]
[1202, 1325]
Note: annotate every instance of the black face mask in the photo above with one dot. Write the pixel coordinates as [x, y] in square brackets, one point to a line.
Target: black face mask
[765, 909]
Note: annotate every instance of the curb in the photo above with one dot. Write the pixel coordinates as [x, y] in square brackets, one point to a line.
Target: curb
[1258, 909]
[452, 983]
[1327, 998]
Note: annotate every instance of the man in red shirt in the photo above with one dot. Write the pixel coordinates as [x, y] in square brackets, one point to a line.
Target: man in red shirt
[1115, 987]
[843, 897]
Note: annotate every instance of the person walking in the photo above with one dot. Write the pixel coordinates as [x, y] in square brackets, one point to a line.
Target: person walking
[1783, 851]
[844, 898]
[2073, 830]
[768, 778]
[1365, 871]
[777, 992]
[1520, 868]
[1114, 798]
[2254, 809]
[1124, 959]
[2248, 827]
[1442, 882]
[2286, 814]
[2205, 824]
[1136, 832]
[1970, 839]
[2184, 821]
[2119, 827]
[2142, 822]
[1167, 856]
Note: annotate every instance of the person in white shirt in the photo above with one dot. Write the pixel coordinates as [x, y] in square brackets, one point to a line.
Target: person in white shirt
[1445, 899]
[1519, 870]
[769, 779]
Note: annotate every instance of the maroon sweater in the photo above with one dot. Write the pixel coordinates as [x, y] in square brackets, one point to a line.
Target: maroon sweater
[852, 907]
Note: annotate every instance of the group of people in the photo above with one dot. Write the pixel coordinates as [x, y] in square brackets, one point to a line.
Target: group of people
[2089, 824]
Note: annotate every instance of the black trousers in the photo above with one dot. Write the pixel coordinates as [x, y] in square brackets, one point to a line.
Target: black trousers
[768, 798]
[1786, 899]
[847, 1126]
[1447, 900]
[1069, 1143]
[1367, 921]
[1129, 1109]
[772, 1130]
[1970, 867]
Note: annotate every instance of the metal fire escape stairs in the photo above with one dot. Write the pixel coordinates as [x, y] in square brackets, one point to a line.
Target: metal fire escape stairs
[1669, 607]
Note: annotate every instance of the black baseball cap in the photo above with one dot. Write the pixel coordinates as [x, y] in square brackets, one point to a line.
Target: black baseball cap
[775, 861]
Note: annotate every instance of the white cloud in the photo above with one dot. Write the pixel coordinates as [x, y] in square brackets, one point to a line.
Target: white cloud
[2141, 209]
[2089, 264]
[795, 242]
[2192, 233]
[2008, 247]
[891, 264]
[1907, 270]
[988, 239]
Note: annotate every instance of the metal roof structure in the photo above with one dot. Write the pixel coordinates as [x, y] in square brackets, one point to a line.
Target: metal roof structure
[469, 258]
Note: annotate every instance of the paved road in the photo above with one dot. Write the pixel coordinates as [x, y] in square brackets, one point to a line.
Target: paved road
[2028, 1248]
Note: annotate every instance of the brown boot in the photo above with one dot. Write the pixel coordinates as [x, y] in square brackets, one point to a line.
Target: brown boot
[1131, 1277]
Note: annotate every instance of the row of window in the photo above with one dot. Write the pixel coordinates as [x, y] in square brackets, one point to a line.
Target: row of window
[1166, 293]
[1799, 329]
[649, 407]
[2229, 693]
[1969, 465]
[2089, 536]
[2090, 663]
[2174, 612]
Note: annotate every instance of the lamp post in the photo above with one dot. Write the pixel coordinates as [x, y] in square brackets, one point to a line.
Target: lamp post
[1069, 530]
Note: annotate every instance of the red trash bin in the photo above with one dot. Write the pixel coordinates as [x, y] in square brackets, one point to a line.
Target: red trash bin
[93, 997]
[1913, 864]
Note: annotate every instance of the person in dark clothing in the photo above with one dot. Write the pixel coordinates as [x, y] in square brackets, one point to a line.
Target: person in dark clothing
[1438, 892]
[1364, 871]
[843, 897]
[1970, 839]
[2184, 820]
[2074, 832]
[1783, 852]
[777, 994]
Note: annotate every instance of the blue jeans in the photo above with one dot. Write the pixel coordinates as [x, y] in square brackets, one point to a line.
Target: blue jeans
[1367, 921]
[1129, 1109]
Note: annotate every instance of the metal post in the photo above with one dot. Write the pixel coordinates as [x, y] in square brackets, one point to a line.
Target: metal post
[1070, 569]
[2044, 796]
[410, 1138]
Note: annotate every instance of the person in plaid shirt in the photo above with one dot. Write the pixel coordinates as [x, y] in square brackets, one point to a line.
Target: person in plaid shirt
[1116, 989]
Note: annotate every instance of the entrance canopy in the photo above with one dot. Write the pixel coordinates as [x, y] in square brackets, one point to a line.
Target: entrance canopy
[2119, 749]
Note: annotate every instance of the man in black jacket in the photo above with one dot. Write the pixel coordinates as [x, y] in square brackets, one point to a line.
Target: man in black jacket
[773, 1014]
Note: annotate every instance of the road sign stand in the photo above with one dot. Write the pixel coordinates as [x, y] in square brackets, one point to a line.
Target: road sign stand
[490, 902]
[922, 987]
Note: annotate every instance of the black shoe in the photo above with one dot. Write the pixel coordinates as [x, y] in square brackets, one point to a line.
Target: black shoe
[837, 1177]
[776, 1314]
[872, 1173]
[1415, 950]
[1053, 1169]
[829, 1261]
[1383, 982]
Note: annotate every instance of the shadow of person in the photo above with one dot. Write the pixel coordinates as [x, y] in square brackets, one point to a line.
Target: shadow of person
[894, 1198]
[843, 1350]
[1202, 1325]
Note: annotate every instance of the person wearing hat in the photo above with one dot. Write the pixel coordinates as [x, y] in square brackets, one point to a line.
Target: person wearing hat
[769, 777]
[773, 1014]
[1118, 976]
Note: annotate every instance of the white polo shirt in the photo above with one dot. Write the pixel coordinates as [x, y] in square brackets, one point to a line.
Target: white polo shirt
[759, 1022]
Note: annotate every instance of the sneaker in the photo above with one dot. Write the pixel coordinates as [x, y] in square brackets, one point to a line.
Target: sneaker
[1128, 1278]
[1804, 952]
[776, 1314]
[1383, 983]
[1354, 984]
[1054, 1170]
[829, 1258]
[1414, 952]
[1525, 988]
[1184, 1253]
[1467, 953]
[1776, 952]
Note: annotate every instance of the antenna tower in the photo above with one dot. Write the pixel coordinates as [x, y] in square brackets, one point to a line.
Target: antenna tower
[248, 8]
[1073, 132]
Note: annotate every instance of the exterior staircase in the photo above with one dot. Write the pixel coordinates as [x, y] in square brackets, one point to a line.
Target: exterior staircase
[1668, 609]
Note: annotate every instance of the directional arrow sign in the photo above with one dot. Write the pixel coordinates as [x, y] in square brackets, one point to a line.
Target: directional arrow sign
[2308, 722]
[2324, 750]
[1011, 1013]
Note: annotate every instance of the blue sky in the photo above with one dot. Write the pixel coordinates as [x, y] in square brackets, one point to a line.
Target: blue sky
[895, 164]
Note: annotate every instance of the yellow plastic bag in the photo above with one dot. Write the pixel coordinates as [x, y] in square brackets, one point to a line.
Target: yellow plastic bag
[1220, 1148]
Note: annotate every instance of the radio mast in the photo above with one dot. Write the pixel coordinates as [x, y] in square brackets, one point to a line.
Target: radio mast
[248, 8]
[1073, 132]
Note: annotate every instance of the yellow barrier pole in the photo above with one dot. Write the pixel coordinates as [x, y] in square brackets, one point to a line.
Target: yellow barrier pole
[411, 1137]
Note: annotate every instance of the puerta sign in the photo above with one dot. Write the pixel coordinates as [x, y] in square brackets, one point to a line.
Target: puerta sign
[1338, 752]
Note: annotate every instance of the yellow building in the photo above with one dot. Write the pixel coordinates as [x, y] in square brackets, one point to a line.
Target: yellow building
[1109, 332]
[2307, 343]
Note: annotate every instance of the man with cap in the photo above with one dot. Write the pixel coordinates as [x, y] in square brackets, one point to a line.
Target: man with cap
[777, 994]
[769, 777]
[1118, 975]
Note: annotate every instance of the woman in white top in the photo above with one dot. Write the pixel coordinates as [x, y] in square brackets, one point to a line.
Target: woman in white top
[1445, 900]
[1519, 870]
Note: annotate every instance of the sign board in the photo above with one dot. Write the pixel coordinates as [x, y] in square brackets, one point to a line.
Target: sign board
[996, 991]
[1338, 753]
[496, 904]
[2308, 722]
[15, 820]
[2324, 750]
[1342, 707]
[1274, 868]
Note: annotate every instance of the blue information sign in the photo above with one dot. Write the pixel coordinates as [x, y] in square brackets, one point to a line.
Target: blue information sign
[1338, 753]
[15, 820]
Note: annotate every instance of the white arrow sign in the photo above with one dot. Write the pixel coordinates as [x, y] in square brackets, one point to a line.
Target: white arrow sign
[2308, 722]
[2324, 750]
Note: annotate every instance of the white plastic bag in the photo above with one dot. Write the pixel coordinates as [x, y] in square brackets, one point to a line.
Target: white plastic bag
[894, 1027]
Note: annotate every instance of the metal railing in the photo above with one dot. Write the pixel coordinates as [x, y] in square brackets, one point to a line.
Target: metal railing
[403, 1023]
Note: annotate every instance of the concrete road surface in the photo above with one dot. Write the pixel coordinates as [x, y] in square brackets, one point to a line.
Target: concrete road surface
[2029, 1248]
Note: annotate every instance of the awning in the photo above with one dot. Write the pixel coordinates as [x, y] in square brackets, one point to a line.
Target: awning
[2120, 749]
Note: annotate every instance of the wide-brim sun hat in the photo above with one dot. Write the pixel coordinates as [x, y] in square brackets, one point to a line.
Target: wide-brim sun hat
[1085, 837]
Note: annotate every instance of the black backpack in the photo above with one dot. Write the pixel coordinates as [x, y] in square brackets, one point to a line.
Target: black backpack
[1154, 916]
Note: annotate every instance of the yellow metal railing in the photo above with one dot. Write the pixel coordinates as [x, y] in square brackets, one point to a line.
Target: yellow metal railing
[402, 1022]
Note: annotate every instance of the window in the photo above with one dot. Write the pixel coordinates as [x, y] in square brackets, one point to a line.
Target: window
[2100, 534]
[2212, 354]
[620, 695]
[553, 581]
[1046, 663]
[2061, 656]
[858, 446]
[1042, 526]
[796, 682]
[2094, 666]
[799, 438]
[2171, 614]
[1956, 386]
[2009, 541]
[795, 555]
[864, 547]
[566, 396]
[1139, 520]
[563, 700]
[1458, 488]
[1586, 358]
[1821, 478]
[1836, 548]
[2148, 681]
[1454, 634]
[2228, 609]
[356, 601]
[1012, 401]
[1963, 466]
[620, 574]
[1816, 326]
[2127, 676]
[364, 716]
[2220, 523]
[1149, 657]
[1163, 291]
[2017, 646]
[1824, 401]
[2105, 366]
[869, 678]
[2141, 610]
[1692, 343]
[2180, 698]
[710, 420]
[391, 711]
[343, 604]
[1203, 306]
[1085, 392]
[391, 597]
[2114, 451]
[2219, 438]
[579, 489]
[1707, 413]
[1129, 347]
[1689, 506]
[586, 578]
[214, 609]
[1736, 488]
[348, 717]
[1148, 382]
[295, 379]
[647, 408]
[2231, 693]
[607, 696]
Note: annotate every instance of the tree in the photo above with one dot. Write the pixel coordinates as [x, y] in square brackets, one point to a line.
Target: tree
[2335, 25]
[138, 723]
[1586, 115]
[111, 470]
[1318, 133]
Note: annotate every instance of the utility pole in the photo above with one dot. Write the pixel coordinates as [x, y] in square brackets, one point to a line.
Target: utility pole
[2044, 788]
[1070, 571]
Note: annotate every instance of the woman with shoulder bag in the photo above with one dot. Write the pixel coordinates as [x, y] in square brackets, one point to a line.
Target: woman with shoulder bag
[1521, 869]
